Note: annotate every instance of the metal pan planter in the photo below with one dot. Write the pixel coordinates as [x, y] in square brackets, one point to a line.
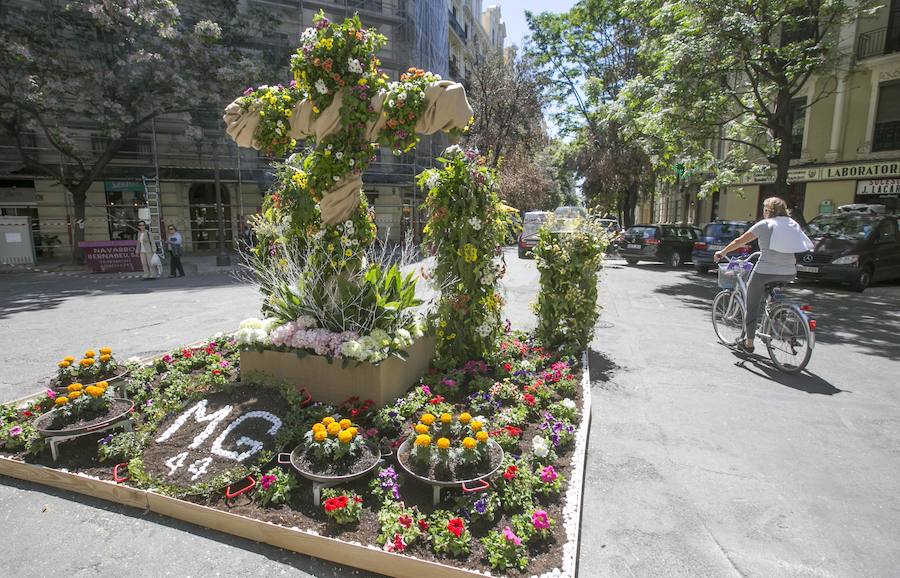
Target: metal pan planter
[324, 481]
[48, 417]
[469, 485]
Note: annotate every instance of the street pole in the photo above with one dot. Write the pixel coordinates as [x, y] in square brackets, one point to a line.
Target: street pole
[222, 258]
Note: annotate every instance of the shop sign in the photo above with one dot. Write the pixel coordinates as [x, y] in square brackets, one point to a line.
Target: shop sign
[829, 173]
[878, 187]
[111, 256]
[123, 186]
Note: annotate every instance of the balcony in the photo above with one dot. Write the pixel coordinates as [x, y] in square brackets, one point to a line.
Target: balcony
[886, 137]
[457, 27]
[878, 42]
[454, 69]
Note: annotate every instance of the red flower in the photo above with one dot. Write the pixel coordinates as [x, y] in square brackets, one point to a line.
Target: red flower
[510, 473]
[529, 399]
[216, 371]
[338, 503]
[513, 431]
[436, 400]
[186, 353]
[357, 499]
[405, 521]
[26, 413]
[423, 525]
[354, 412]
[456, 526]
[507, 367]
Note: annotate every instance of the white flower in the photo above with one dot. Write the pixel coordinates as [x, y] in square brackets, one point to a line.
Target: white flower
[308, 36]
[354, 66]
[568, 403]
[251, 323]
[339, 155]
[305, 322]
[320, 86]
[336, 178]
[352, 349]
[208, 29]
[391, 103]
[349, 225]
[452, 151]
[404, 334]
[540, 446]
[401, 96]
[381, 337]
[133, 360]
[352, 162]
[433, 179]
[484, 330]
[475, 223]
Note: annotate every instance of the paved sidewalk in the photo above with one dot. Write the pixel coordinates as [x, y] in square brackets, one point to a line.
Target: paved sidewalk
[194, 264]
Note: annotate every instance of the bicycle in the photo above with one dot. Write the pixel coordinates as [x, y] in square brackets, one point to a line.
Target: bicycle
[785, 328]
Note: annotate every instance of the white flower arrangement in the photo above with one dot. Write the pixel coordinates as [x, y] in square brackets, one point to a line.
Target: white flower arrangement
[354, 66]
[475, 223]
[321, 87]
[254, 331]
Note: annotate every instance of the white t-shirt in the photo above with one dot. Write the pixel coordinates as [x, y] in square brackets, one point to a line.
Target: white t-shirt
[772, 262]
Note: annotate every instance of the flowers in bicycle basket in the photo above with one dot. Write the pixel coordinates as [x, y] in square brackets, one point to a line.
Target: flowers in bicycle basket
[332, 440]
[446, 439]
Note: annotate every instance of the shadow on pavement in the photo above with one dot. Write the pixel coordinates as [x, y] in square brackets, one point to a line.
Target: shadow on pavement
[805, 381]
[601, 367]
[39, 292]
[299, 561]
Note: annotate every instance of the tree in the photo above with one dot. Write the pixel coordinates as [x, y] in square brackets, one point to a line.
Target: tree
[109, 68]
[731, 70]
[507, 101]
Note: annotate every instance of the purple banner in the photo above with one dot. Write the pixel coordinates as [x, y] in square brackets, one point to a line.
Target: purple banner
[111, 256]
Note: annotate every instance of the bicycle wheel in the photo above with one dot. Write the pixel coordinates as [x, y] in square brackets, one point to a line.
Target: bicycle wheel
[728, 317]
[789, 342]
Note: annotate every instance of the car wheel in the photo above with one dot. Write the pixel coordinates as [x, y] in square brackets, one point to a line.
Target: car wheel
[631, 261]
[701, 269]
[674, 260]
[863, 279]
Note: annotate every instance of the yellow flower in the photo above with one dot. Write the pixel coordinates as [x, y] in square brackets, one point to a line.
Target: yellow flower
[93, 391]
[421, 428]
[288, 113]
[469, 443]
[320, 435]
[89, 353]
[102, 384]
[345, 437]
[348, 253]
[315, 110]
[475, 425]
[446, 418]
[74, 394]
[353, 431]
[87, 362]
[427, 419]
[464, 418]
[443, 443]
[61, 400]
[106, 351]
[105, 358]
[318, 427]
[345, 423]
[327, 420]
[74, 387]
[482, 436]
[300, 179]
[361, 82]
[329, 247]
[423, 440]
[334, 428]
[69, 358]
[64, 364]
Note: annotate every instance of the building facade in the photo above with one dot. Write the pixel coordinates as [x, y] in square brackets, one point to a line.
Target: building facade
[846, 146]
[188, 155]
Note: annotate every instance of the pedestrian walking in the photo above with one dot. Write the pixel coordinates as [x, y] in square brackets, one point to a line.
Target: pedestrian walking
[176, 246]
[146, 250]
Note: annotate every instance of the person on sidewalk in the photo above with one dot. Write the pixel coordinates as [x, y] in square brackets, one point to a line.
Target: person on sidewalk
[146, 249]
[176, 246]
[780, 237]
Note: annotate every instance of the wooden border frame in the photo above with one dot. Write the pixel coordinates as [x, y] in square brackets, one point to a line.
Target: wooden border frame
[369, 558]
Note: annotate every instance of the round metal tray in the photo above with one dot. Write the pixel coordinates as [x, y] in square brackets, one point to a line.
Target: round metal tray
[445, 483]
[48, 418]
[111, 381]
[331, 480]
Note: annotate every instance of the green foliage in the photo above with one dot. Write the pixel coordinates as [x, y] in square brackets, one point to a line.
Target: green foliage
[568, 262]
[342, 506]
[465, 231]
[517, 486]
[449, 534]
[120, 447]
[395, 519]
[274, 487]
[502, 550]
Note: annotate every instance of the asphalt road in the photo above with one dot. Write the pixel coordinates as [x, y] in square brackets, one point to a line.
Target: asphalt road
[697, 466]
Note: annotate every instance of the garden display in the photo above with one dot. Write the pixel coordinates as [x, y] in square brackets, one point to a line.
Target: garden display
[434, 441]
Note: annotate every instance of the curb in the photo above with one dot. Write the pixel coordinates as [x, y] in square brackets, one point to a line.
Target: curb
[100, 276]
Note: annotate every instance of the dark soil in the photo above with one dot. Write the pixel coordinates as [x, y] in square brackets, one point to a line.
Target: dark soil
[117, 371]
[57, 421]
[346, 467]
[242, 400]
[455, 471]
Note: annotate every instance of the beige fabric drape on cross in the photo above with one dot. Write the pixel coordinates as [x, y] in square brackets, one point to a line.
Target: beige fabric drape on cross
[446, 108]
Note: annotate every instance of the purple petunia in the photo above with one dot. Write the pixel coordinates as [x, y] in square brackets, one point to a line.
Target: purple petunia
[15, 431]
[481, 505]
[388, 481]
[105, 440]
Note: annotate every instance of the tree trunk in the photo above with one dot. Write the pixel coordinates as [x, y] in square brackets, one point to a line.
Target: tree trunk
[782, 129]
[79, 200]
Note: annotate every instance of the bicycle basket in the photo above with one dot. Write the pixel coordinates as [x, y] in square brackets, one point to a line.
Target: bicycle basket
[728, 273]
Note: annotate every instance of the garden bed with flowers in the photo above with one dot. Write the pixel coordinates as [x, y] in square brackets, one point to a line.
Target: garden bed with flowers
[530, 403]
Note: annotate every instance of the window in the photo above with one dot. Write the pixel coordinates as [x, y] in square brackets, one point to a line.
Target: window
[887, 232]
[887, 119]
[798, 122]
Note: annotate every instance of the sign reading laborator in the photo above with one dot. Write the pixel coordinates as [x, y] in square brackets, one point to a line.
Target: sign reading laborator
[830, 172]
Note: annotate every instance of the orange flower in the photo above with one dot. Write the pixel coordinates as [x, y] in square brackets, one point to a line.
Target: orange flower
[318, 427]
[74, 394]
[105, 358]
[421, 428]
[61, 400]
[89, 353]
[469, 443]
[465, 417]
[69, 358]
[334, 428]
[74, 387]
[64, 364]
[443, 443]
[327, 420]
[106, 351]
[320, 435]
[482, 436]
[427, 419]
[345, 423]
[446, 418]
[345, 437]
[475, 425]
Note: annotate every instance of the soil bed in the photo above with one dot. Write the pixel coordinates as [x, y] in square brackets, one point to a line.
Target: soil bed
[114, 373]
[346, 467]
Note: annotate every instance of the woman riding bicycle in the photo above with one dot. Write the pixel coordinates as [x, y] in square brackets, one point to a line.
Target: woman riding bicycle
[780, 237]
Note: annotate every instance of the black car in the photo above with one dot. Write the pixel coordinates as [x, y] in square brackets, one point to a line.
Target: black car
[670, 244]
[852, 248]
[714, 237]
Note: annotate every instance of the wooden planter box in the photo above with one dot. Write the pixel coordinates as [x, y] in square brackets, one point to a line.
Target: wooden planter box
[333, 383]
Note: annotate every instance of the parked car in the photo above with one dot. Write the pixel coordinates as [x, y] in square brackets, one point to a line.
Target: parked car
[570, 212]
[715, 235]
[670, 244]
[855, 248]
[528, 238]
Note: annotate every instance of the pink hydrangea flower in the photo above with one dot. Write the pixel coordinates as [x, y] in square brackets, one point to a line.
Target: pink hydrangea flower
[511, 536]
[548, 474]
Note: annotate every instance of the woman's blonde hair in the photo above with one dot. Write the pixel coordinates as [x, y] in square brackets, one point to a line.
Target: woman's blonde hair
[776, 206]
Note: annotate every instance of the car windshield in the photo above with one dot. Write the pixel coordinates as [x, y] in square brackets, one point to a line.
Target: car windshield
[724, 230]
[530, 229]
[642, 232]
[853, 227]
[569, 212]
